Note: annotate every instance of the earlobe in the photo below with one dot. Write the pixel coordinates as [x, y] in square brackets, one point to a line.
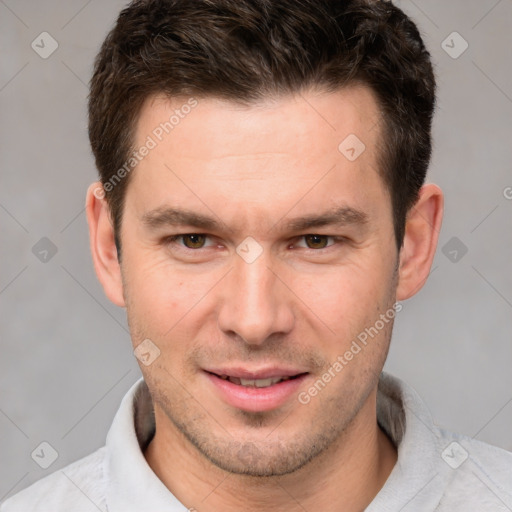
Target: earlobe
[420, 241]
[103, 247]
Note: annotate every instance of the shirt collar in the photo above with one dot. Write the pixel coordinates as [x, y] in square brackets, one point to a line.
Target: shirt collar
[405, 418]
[131, 483]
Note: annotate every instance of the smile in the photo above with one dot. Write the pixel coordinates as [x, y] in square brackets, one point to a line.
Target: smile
[255, 383]
[256, 391]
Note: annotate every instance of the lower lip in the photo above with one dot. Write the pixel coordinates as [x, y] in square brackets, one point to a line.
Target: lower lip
[253, 399]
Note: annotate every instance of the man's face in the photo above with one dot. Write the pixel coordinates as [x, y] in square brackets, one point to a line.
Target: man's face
[287, 302]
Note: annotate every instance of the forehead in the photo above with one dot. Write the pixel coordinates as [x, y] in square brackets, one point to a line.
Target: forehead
[284, 124]
[313, 148]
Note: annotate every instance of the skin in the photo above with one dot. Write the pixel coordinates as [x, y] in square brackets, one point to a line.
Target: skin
[299, 304]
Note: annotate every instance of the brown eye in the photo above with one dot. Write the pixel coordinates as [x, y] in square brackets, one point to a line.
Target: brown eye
[194, 241]
[316, 241]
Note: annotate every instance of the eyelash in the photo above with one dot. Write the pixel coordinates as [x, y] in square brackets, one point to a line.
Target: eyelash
[174, 238]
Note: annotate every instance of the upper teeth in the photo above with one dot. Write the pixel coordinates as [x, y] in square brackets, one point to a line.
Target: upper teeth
[257, 383]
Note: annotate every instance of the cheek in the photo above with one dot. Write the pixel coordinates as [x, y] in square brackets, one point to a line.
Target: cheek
[154, 294]
[342, 292]
[162, 299]
[342, 302]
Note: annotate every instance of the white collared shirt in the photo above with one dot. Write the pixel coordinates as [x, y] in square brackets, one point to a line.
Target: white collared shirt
[435, 471]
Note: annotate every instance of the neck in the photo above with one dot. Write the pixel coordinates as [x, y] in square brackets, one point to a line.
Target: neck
[346, 476]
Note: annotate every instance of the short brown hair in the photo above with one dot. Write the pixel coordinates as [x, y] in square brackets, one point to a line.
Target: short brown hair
[244, 50]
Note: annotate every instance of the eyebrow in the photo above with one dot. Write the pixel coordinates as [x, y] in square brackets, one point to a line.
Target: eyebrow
[174, 217]
[177, 217]
[342, 216]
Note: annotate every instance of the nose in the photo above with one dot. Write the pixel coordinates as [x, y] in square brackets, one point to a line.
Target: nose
[256, 304]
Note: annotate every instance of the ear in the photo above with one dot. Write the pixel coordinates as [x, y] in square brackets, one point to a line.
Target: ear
[103, 247]
[420, 241]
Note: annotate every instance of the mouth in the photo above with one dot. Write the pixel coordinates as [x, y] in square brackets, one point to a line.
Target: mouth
[256, 391]
[257, 383]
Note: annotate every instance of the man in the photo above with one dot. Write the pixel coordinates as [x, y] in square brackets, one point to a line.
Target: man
[261, 212]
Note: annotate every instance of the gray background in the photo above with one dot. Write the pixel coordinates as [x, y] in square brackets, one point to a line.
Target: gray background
[65, 352]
